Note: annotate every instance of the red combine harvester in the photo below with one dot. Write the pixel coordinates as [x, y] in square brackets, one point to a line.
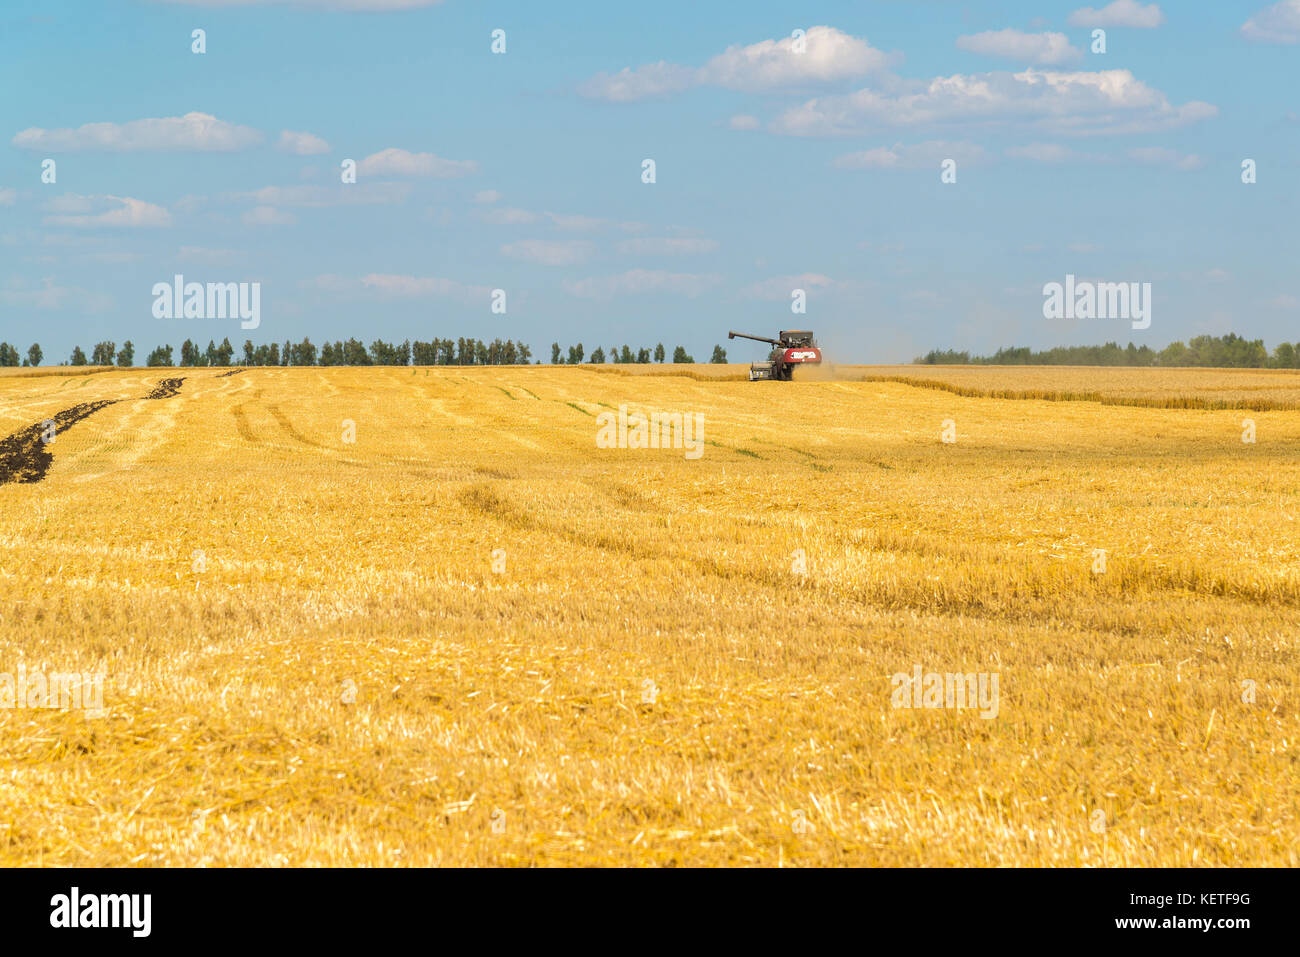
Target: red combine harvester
[794, 347]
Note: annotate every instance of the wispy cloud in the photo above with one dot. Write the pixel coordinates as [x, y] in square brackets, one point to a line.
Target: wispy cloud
[667, 246]
[1121, 13]
[50, 295]
[399, 162]
[550, 252]
[1110, 101]
[638, 282]
[301, 144]
[341, 194]
[193, 132]
[92, 211]
[399, 286]
[1050, 49]
[916, 156]
[268, 216]
[1279, 23]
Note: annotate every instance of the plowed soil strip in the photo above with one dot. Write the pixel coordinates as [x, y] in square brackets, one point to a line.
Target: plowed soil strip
[25, 458]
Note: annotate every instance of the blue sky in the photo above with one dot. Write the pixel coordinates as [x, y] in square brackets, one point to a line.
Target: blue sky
[777, 168]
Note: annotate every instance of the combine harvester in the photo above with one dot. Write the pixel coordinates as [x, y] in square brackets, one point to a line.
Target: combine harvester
[794, 347]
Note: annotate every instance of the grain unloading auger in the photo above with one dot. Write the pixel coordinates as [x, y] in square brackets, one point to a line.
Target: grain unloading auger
[794, 347]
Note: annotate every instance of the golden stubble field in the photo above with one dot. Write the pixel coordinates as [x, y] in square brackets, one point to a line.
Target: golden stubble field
[472, 637]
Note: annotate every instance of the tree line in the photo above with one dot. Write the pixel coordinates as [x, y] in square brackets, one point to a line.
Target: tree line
[353, 352]
[1224, 352]
[625, 355]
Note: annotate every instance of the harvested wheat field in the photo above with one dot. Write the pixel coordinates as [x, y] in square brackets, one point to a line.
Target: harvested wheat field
[472, 636]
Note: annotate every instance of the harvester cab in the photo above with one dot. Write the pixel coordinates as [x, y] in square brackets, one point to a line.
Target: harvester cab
[793, 347]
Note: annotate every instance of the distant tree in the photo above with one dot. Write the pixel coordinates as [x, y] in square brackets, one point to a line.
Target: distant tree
[102, 353]
[598, 354]
[555, 354]
[525, 353]
[1284, 356]
[286, 354]
[719, 355]
[249, 352]
[575, 354]
[659, 352]
[480, 352]
[625, 354]
[680, 356]
[78, 357]
[306, 353]
[613, 353]
[8, 354]
[188, 353]
[273, 354]
[126, 355]
[643, 356]
[162, 356]
[34, 354]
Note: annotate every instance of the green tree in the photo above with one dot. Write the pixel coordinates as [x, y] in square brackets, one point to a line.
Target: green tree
[680, 357]
[555, 354]
[659, 352]
[719, 355]
[78, 357]
[34, 354]
[162, 356]
[126, 355]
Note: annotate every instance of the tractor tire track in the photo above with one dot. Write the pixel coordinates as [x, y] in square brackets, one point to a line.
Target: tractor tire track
[288, 428]
[25, 459]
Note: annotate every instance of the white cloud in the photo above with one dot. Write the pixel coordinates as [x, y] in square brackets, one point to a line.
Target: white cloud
[1279, 23]
[1283, 301]
[1160, 156]
[403, 163]
[486, 196]
[1110, 101]
[341, 194]
[92, 211]
[193, 132]
[301, 144]
[743, 121]
[268, 216]
[917, 156]
[829, 55]
[641, 282]
[8, 197]
[1044, 48]
[549, 252]
[1218, 275]
[1121, 13]
[667, 247]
